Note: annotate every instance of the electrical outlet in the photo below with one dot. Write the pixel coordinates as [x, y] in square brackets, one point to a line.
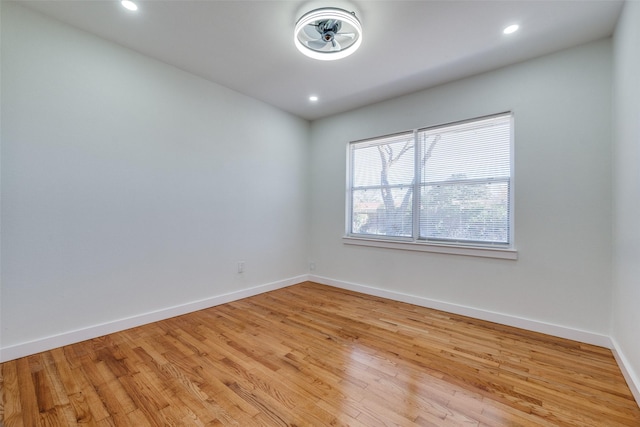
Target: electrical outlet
[240, 267]
[312, 266]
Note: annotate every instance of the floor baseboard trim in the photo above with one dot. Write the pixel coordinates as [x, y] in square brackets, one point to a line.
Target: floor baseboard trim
[503, 319]
[633, 381]
[47, 343]
[66, 338]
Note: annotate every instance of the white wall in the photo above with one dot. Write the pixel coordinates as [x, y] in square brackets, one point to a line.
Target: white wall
[129, 186]
[562, 113]
[626, 192]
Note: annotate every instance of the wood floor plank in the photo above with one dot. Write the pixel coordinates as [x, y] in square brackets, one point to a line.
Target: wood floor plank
[314, 355]
[11, 406]
[27, 387]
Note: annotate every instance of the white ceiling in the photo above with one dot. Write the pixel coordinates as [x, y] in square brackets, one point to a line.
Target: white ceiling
[407, 45]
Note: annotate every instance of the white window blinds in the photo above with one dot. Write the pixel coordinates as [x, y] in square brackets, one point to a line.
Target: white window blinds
[445, 184]
[383, 181]
[465, 181]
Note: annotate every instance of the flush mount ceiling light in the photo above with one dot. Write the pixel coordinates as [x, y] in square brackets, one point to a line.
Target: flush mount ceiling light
[328, 33]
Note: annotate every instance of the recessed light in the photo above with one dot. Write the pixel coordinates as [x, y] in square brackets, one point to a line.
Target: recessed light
[128, 4]
[313, 98]
[511, 29]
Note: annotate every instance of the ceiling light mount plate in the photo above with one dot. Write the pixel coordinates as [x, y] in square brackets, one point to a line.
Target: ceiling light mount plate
[328, 33]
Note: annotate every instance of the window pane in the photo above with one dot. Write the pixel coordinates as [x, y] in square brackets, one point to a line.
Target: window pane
[382, 211]
[389, 161]
[476, 212]
[455, 178]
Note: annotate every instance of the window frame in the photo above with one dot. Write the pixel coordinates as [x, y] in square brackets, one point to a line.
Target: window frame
[414, 242]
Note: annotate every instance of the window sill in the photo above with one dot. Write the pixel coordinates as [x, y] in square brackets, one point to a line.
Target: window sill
[501, 253]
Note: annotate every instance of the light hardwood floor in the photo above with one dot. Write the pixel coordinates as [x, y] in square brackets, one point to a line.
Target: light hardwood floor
[312, 355]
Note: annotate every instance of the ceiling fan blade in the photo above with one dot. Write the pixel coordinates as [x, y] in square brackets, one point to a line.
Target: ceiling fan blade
[349, 35]
[335, 46]
[311, 32]
[316, 44]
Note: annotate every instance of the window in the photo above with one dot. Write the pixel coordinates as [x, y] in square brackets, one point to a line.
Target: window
[444, 185]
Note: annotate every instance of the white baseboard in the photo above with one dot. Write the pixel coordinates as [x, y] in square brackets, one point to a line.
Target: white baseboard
[631, 377]
[633, 381]
[47, 343]
[503, 319]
